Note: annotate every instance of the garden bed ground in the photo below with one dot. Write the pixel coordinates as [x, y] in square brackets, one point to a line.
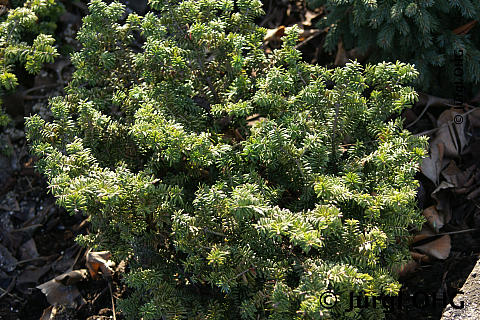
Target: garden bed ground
[37, 237]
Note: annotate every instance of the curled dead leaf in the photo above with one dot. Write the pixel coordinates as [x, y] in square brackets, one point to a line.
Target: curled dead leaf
[59, 290]
[28, 250]
[434, 219]
[96, 261]
[439, 248]
[441, 196]
[425, 233]
[451, 132]
[432, 166]
[274, 34]
[72, 277]
[341, 58]
[454, 175]
[310, 16]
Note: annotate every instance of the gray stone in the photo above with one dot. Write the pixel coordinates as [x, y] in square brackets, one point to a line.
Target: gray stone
[470, 297]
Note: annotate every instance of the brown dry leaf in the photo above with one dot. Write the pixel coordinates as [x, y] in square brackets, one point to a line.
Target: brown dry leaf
[341, 58]
[434, 219]
[28, 250]
[356, 54]
[440, 194]
[432, 166]
[474, 118]
[463, 30]
[431, 101]
[439, 248]
[425, 233]
[274, 34]
[412, 265]
[99, 260]
[58, 293]
[475, 194]
[309, 16]
[407, 268]
[420, 257]
[470, 176]
[449, 142]
[451, 132]
[32, 274]
[447, 116]
[454, 175]
[254, 118]
[344, 56]
[67, 260]
[48, 314]
[72, 277]
[428, 101]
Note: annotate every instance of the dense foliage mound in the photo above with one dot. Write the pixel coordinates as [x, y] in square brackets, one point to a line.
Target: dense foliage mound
[441, 38]
[236, 185]
[26, 38]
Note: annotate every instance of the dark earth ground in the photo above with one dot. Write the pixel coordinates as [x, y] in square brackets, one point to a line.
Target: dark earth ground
[37, 238]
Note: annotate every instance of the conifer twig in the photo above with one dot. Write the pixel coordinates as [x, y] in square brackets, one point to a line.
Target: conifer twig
[113, 301]
[214, 232]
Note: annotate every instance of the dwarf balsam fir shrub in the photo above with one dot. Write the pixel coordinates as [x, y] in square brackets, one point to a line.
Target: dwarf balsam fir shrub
[418, 32]
[26, 39]
[237, 185]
